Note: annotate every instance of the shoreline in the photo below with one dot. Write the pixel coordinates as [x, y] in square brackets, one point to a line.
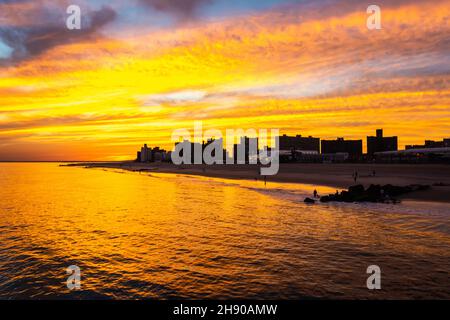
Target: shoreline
[337, 176]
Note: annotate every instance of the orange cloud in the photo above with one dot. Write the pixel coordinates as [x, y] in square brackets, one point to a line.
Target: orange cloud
[320, 74]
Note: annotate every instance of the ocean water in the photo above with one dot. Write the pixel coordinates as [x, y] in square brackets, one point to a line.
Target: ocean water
[166, 236]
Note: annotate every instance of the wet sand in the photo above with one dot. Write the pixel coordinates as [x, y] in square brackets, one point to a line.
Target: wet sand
[338, 176]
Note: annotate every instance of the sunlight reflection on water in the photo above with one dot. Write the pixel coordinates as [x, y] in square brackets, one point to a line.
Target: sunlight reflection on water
[174, 236]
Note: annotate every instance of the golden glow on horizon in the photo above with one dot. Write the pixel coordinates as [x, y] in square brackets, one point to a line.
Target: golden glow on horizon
[328, 77]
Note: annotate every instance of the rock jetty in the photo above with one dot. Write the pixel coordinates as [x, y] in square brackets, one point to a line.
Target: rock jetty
[374, 193]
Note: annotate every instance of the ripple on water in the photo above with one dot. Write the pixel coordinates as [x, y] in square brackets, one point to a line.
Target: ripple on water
[168, 236]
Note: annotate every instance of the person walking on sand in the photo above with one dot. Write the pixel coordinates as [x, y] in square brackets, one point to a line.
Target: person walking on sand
[355, 176]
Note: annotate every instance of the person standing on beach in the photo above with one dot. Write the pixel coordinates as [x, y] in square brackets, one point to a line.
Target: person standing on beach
[315, 193]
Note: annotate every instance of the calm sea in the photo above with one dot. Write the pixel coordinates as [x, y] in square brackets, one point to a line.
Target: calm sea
[169, 236]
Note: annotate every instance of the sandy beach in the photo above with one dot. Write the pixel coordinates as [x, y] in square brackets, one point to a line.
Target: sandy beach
[338, 176]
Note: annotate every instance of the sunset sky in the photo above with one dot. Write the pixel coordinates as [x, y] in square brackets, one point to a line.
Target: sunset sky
[139, 69]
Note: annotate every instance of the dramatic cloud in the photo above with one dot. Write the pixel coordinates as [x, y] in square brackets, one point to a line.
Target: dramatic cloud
[183, 9]
[43, 27]
[308, 67]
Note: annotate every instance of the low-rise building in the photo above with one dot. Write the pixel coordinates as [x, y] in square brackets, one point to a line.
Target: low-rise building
[299, 143]
[353, 148]
[427, 155]
[430, 144]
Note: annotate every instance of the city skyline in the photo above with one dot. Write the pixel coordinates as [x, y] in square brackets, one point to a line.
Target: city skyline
[360, 145]
[137, 71]
[314, 143]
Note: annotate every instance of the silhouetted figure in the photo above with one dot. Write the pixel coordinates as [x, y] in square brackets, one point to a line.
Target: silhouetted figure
[265, 180]
[355, 176]
[315, 193]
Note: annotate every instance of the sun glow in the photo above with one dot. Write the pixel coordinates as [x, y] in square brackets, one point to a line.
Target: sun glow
[100, 97]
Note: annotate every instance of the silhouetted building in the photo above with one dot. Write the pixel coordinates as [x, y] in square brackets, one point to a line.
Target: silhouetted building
[352, 147]
[381, 144]
[217, 142]
[159, 155]
[299, 143]
[146, 155]
[247, 149]
[427, 155]
[338, 157]
[303, 156]
[430, 144]
[152, 155]
[192, 147]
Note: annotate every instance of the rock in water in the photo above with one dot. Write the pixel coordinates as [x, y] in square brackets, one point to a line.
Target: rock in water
[374, 193]
[309, 200]
[356, 190]
[326, 199]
